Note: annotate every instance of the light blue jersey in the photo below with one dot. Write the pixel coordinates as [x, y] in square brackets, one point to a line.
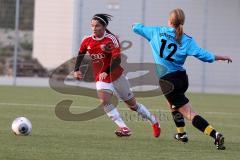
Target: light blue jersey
[167, 52]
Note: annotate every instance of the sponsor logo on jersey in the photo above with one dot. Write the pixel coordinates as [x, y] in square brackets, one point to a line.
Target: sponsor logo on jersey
[97, 56]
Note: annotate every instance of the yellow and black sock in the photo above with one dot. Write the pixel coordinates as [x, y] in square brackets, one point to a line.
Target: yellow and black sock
[201, 124]
[179, 122]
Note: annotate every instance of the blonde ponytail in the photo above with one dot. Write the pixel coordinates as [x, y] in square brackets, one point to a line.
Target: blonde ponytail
[179, 33]
[177, 18]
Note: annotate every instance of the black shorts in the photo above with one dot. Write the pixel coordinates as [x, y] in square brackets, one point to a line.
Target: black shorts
[179, 80]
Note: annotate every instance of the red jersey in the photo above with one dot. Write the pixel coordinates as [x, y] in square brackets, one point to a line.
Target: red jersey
[101, 51]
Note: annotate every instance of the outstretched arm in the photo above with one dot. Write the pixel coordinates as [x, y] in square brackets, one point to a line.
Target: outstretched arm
[146, 32]
[204, 55]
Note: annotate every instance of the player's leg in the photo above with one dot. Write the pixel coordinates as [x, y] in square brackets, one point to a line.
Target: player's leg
[105, 92]
[122, 87]
[176, 99]
[145, 113]
[180, 125]
[202, 124]
[141, 110]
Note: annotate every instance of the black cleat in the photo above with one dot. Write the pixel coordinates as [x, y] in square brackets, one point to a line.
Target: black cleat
[181, 137]
[219, 141]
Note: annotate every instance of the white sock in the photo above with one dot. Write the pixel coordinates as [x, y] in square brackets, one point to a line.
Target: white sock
[113, 113]
[144, 112]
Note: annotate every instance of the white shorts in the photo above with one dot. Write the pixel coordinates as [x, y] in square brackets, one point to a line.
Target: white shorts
[119, 87]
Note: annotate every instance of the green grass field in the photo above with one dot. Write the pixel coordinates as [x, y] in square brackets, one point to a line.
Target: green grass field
[54, 139]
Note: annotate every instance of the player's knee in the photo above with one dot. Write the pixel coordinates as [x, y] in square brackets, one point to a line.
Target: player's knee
[104, 102]
[192, 115]
[132, 104]
[133, 108]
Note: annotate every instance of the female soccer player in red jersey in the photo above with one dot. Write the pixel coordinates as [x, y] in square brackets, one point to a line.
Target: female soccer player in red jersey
[104, 50]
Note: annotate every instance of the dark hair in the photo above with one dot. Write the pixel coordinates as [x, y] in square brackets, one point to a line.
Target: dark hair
[103, 19]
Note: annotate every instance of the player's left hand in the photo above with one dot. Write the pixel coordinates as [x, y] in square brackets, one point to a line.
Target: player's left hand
[102, 76]
[228, 59]
[223, 58]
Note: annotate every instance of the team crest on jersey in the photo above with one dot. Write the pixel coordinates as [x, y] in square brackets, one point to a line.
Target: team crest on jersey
[107, 47]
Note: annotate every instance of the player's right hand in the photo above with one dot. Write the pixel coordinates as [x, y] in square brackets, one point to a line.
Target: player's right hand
[77, 75]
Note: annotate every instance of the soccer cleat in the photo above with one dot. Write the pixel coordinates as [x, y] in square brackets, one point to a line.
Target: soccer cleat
[219, 141]
[181, 137]
[123, 132]
[156, 130]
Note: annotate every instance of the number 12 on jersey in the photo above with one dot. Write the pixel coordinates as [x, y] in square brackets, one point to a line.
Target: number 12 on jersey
[170, 46]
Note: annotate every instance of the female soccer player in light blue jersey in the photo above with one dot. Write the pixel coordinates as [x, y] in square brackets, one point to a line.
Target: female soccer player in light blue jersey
[170, 47]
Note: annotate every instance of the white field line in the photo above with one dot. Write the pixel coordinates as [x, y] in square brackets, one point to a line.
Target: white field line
[122, 109]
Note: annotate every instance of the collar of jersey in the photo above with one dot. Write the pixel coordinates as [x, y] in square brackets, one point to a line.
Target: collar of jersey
[98, 39]
[172, 29]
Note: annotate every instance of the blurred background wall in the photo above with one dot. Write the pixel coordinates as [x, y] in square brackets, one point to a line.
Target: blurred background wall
[54, 30]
